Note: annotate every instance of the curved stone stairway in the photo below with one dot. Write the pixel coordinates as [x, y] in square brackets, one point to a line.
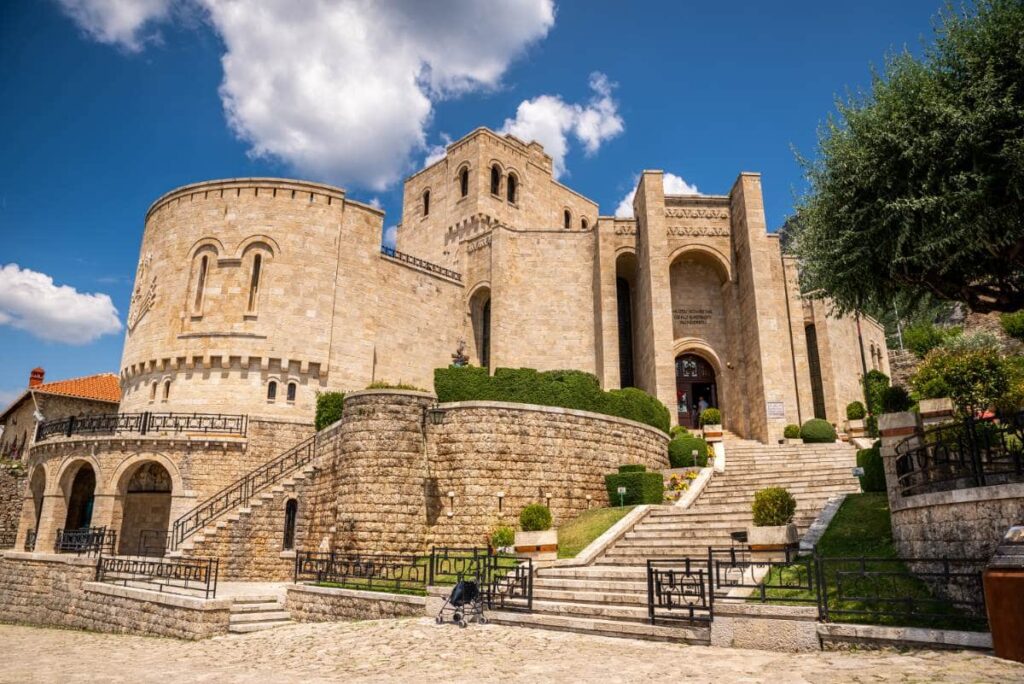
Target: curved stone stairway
[610, 596]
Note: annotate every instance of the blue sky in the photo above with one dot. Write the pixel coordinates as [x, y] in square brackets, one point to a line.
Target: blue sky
[106, 109]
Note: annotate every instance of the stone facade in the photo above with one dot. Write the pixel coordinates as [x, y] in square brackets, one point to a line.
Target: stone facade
[12, 486]
[253, 294]
[308, 603]
[59, 591]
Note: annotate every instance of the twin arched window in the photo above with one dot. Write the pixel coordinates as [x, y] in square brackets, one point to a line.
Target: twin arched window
[290, 393]
[167, 390]
[566, 219]
[513, 188]
[292, 390]
[583, 224]
[272, 390]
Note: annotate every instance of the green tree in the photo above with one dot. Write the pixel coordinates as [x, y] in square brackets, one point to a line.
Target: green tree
[968, 369]
[918, 183]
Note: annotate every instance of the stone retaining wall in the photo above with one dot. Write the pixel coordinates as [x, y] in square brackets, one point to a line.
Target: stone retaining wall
[326, 604]
[59, 591]
[12, 486]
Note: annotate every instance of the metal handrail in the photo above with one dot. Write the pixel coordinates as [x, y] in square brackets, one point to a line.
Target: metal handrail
[142, 423]
[420, 263]
[240, 492]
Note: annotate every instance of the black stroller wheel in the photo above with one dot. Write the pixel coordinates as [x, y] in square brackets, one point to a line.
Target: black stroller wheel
[482, 620]
[440, 620]
[462, 623]
[457, 617]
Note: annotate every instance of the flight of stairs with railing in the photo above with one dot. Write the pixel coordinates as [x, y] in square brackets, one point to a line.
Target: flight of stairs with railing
[610, 596]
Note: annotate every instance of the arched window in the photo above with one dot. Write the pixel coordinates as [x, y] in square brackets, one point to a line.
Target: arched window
[167, 389]
[513, 188]
[272, 390]
[583, 224]
[426, 202]
[197, 305]
[464, 182]
[292, 389]
[254, 281]
[567, 219]
[495, 180]
[152, 392]
[291, 514]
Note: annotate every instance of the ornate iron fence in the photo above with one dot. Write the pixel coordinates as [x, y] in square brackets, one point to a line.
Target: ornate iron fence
[187, 576]
[420, 263]
[374, 572]
[680, 590]
[85, 541]
[241, 491]
[969, 453]
[144, 423]
[791, 580]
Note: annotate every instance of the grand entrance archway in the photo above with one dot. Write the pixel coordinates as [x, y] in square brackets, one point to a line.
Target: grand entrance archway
[695, 387]
[81, 499]
[145, 495]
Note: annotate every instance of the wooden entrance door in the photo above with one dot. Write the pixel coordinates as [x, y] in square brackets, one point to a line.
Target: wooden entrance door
[695, 380]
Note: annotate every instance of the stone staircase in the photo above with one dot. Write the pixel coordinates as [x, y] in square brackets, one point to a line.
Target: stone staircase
[610, 596]
[257, 613]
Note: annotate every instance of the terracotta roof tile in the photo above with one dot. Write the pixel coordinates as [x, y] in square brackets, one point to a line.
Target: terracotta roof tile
[103, 386]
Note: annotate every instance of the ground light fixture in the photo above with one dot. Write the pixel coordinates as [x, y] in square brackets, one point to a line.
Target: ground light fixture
[501, 498]
[622, 494]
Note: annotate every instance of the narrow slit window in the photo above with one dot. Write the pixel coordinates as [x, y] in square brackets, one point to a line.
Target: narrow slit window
[583, 224]
[271, 390]
[152, 392]
[292, 389]
[167, 390]
[291, 510]
[567, 219]
[201, 284]
[513, 188]
[464, 182]
[495, 180]
[254, 282]
[426, 203]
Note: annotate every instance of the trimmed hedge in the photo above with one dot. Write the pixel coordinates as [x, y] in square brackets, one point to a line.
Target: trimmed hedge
[680, 452]
[873, 479]
[896, 399]
[875, 383]
[792, 431]
[817, 430]
[329, 407]
[535, 518]
[633, 468]
[773, 506]
[641, 487]
[678, 430]
[710, 416]
[564, 388]
[855, 411]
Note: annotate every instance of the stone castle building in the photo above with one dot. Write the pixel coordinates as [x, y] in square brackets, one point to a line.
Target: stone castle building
[252, 295]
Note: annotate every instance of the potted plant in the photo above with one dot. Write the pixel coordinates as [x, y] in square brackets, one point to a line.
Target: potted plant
[535, 539]
[855, 414]
[773, 530]
[503, 539]
[792, 434]
[711, 422]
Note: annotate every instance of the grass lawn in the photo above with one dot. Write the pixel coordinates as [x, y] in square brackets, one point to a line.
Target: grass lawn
[861, 528]
[575, 535]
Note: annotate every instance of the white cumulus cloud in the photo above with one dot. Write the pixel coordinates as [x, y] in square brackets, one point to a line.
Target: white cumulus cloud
[550, 120]
[117, 22]
[343, 90]
[390, 236]
[673, 184]
[30, 301]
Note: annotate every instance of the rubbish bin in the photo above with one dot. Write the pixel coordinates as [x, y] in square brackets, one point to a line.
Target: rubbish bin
[1004, 596]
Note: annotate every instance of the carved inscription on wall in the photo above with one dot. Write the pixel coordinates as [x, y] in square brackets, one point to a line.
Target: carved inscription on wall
[698, 231]
[477, 245]
[144, 294]
[694, 316]
[696, 213]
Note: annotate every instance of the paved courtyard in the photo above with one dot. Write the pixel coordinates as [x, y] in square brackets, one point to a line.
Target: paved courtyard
[418, 650]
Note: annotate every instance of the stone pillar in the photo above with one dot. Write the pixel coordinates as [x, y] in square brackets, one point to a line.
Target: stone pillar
[935, 412]
[894, 428]
[53, 516]
[606, 308]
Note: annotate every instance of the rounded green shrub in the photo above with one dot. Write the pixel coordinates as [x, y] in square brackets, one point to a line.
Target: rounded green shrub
[329, 407]
[680, 452]
[1013, 324]
[817, 430]
[873, 479]
[503, 536]
[792, 431]
[772, 507]
[535, 518]
[855, 411]
[678, 430]
[641, 488]
[710, 416]
[896, 399]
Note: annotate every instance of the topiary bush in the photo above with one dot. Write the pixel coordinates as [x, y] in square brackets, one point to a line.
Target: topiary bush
[710, 416]
[564, 388]
[817, 430]
[772, 507]
[641, 487]
[678, 430]
[329, 407]
[896, 399]
[875, 383]
[792, 431]
[503, 536]
[855, 411]
[680, 452]
[873, 479]
[535, 518]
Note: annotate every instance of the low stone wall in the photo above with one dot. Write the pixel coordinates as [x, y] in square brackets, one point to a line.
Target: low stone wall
[785, 629]
[842, 637]
[308, 603]
[59, 591]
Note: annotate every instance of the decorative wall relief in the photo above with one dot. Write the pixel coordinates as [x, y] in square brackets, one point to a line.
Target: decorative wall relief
[696, 213]
[144, 294]
[698, 231]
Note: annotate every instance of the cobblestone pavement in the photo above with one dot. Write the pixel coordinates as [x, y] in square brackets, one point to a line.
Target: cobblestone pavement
[418, 650]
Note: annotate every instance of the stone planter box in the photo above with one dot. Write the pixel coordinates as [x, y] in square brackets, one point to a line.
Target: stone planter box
[770, 543]
[793, 440]
[856, 428]
[540, 546]
[713, 433]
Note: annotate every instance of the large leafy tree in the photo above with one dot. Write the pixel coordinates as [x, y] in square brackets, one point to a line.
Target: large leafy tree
[918, 184]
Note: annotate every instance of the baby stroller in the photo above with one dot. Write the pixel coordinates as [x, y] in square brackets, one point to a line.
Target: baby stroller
[465, 601]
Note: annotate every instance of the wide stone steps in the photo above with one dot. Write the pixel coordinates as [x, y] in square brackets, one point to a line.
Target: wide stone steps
[564, 584]
[590, 596]
[700, 636]
[257, 613]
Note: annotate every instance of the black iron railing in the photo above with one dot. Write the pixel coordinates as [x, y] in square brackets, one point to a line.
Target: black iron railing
[374, 572]
[790, 579]
[241, 492]
[30, 540]
[85, 541]
[969, 453]
[420, 263]
[186, 576]
[679, 590]
[144, 423]
[152, 543]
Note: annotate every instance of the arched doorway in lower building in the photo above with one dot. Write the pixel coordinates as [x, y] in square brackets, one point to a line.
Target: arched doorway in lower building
[695, 388]
[81, 497]
[145, 494]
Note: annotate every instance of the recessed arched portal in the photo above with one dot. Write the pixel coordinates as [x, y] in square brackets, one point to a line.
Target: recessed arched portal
[696, 388]
[480, 313]
[80, 498]
[625, 280]
[144, 495]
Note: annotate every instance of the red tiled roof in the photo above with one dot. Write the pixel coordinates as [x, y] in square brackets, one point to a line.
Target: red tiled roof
[102, 386]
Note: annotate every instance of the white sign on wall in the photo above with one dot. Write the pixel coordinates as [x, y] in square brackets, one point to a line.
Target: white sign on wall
[776, 409]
